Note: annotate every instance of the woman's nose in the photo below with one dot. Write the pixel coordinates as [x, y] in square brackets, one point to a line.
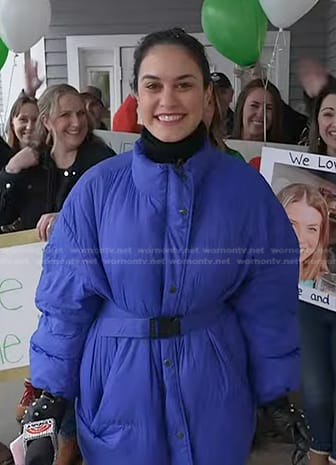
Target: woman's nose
[75, 121]
[302, 239]
[167, 97]
[30, 125]
[260, 111]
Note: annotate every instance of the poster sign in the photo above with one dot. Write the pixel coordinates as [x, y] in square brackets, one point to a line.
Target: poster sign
[20, 269]
[123, 141]
[118, 141]
[251, 149]
[305, 184]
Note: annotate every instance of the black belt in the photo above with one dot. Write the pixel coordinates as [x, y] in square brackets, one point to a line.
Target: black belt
[159, 327]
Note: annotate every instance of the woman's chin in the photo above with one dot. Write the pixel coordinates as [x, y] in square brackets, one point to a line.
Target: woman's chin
[74, 142]
[25, 141]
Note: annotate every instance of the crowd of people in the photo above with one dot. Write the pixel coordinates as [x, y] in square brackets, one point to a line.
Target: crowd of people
[168, 358]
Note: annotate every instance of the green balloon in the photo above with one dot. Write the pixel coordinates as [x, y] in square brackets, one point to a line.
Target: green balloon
[3, 53]
[236, 28]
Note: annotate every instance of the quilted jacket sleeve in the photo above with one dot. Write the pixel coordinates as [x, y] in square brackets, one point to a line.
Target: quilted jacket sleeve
[267, 301]
[67, 297]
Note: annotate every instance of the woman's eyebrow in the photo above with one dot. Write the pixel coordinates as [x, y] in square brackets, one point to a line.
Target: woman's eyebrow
[149, 76]
[186, 76]
[183, 76]
[327, 108]
[309, 224]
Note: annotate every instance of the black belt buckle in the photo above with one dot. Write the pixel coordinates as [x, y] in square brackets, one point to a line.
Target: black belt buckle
[164, 327]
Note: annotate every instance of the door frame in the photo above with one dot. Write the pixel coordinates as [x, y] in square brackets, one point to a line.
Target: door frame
[74, 45]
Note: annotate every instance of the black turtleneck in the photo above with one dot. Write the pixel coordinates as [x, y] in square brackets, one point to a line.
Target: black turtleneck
[173, 152]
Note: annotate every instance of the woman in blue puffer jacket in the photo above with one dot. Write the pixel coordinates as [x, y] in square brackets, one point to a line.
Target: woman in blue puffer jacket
[169, 286]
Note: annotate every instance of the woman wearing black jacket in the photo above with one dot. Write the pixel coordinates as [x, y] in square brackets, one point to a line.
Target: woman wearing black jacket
[5, 153]
[36, 181]
[22, 118]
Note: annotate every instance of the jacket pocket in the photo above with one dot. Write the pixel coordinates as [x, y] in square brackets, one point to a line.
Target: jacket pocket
[97, 362]
[221, 362]
[232, 359]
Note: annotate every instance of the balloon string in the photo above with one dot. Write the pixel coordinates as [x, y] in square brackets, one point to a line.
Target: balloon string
[270, 65]
[284, 41]
[2, 124]
[10, 87]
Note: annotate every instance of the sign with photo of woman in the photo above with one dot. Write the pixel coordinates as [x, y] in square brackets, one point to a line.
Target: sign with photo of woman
[305, 184]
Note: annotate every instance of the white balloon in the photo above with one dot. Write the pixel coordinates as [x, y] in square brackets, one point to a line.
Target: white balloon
[23, 22]
[284, 13]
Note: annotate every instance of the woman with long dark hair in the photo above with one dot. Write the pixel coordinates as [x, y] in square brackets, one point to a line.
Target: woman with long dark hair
[166, 320]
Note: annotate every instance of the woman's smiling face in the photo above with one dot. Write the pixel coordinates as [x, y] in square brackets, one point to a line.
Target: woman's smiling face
[327, 123]
[253, 114]
[171, 99]
[307, 223]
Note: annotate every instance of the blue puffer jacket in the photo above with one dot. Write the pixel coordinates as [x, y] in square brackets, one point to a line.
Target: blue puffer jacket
[136, 240]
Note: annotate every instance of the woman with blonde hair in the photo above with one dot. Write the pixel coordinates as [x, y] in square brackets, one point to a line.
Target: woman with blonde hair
[36, 181]
[307, 210]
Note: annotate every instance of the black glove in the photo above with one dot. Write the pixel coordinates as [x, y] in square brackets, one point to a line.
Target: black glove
[40, 452]
[290, 423]
[43, 419]
[46, 406]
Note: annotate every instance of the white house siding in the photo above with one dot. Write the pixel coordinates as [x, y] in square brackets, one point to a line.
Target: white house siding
[308, 39]
[92, 17]
[331, 37]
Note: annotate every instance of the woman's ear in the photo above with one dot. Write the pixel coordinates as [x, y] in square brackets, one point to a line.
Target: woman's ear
[133, 92]
[46, 123]
[136, 96]
[208, 94]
